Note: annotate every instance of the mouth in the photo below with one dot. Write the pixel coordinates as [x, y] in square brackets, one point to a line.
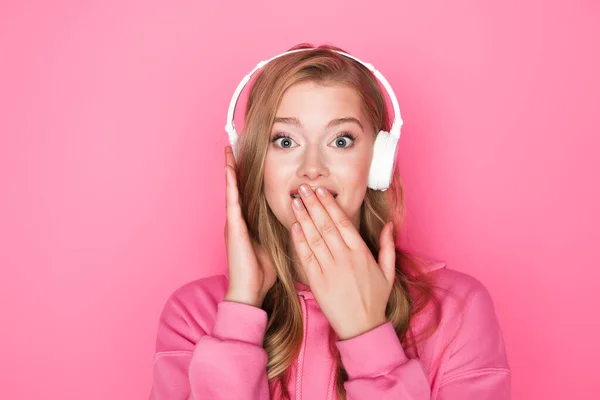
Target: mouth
[295, 195]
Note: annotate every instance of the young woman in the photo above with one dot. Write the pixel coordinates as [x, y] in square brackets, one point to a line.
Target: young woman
[319, 302]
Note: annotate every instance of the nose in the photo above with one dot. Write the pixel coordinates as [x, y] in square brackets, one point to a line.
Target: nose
[313, 165]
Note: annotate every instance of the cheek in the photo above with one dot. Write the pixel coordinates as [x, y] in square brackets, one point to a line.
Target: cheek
[274, 180]
[356, 171]
[272, 177]
[269, 183]
[354, 178]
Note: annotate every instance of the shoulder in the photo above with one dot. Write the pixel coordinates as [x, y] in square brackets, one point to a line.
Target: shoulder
[190, 311]
[455, 286]
[468, 329]
[462, 297]
[453, 289]
[204, 291]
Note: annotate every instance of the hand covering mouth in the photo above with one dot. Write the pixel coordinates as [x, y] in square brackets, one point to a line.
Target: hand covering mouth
[294, 193]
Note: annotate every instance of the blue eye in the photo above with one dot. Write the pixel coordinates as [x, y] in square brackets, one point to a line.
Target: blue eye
[346, 135]
[286, 141]
[285, 138]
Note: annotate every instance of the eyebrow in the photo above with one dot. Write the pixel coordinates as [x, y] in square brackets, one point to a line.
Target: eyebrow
[334, 122]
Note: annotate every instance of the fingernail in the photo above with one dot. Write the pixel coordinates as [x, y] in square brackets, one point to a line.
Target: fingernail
[305, 190]
[321, 192]
[297, 204]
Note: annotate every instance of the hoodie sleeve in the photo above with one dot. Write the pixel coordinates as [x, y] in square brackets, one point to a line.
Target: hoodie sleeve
[227, 363]
[475, 368]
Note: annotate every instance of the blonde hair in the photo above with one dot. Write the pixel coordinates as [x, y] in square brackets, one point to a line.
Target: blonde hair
[411, 292]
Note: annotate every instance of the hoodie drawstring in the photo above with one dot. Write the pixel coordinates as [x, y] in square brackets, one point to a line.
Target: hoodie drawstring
[299, 368]
[331, 382]
[302, 350]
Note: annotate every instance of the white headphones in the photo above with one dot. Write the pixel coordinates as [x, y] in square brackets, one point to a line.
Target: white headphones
[384, 151]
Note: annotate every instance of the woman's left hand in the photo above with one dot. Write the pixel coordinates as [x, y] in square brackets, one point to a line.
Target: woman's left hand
[351, 288]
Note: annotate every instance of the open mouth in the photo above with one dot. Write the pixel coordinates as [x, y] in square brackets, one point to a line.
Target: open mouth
[296, 195]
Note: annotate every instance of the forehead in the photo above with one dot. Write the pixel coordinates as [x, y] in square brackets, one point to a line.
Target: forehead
[311, 101]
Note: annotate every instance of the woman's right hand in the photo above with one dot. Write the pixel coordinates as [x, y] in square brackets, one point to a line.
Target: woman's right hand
[251, 273]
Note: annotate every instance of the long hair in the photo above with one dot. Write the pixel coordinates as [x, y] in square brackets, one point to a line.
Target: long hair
[411, 292]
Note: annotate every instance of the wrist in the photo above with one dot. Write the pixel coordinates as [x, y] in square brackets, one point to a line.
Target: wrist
[251, 300]
[357, 330]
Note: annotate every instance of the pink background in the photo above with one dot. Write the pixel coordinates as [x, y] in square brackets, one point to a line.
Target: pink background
[112, 184]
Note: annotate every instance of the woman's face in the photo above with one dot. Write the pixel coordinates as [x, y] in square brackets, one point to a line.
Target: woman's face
[320, 137]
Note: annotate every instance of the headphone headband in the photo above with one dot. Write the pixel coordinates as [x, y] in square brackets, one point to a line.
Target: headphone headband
[230, 126]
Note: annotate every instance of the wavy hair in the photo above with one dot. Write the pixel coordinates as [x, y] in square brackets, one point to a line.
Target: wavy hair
[412, 291]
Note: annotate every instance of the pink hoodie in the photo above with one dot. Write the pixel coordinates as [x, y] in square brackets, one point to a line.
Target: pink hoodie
[207, 348]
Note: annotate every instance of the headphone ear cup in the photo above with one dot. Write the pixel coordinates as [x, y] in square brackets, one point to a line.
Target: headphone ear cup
[382, 164]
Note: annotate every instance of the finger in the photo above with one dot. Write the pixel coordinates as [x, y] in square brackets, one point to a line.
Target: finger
[313, 237]
[227, 162]
[345, 228]
[234, 225]
[229, 158]
[387, 252]
[307, 258]
[324, 224]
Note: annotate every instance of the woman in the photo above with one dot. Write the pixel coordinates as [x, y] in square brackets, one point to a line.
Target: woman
[319, 303]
